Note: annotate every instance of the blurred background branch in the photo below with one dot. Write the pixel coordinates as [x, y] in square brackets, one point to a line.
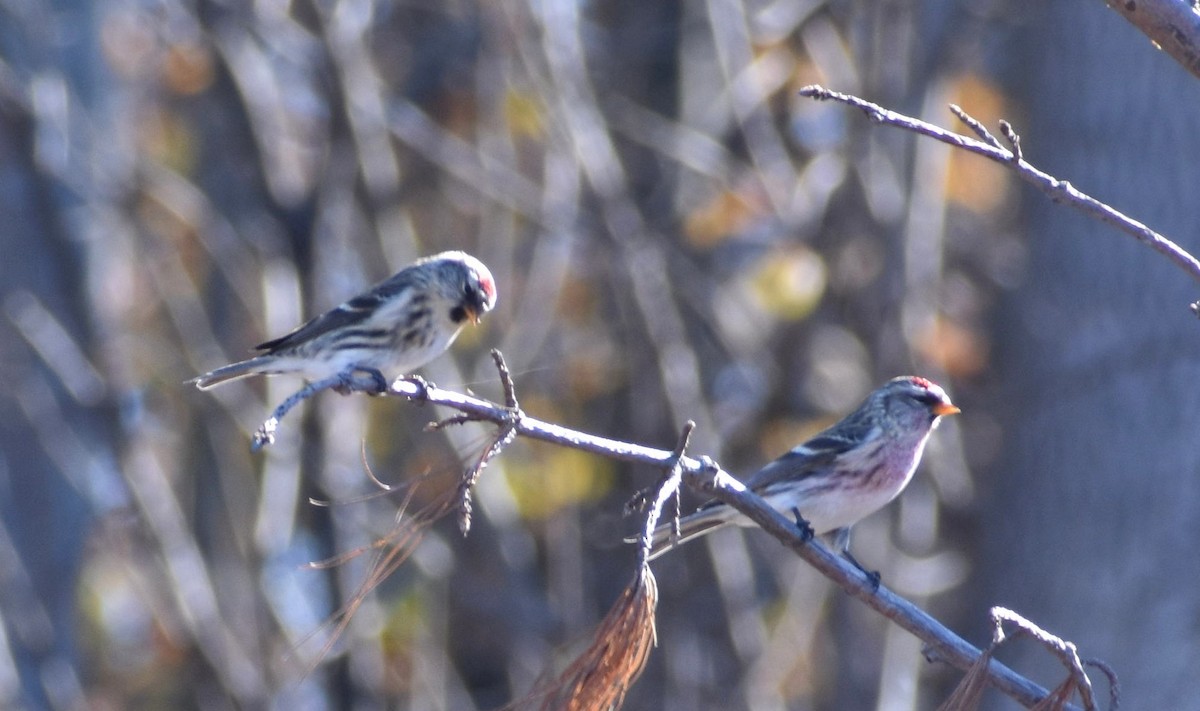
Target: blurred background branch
[676, 234]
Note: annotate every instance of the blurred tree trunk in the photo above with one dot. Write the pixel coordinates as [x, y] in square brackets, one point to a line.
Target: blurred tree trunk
[1093, 511]
[55, 429]
[43, 516]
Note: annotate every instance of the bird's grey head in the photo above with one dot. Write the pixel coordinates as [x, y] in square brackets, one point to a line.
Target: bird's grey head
[915, 400]
[471, 288]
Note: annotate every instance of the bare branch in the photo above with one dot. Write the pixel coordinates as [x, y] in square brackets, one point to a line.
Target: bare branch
[706, 475]
[1057, 190]
[345, 383]
[266, 433]
[703, 474]
[1172, 25]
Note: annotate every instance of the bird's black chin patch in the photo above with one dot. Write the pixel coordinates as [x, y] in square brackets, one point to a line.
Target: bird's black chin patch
[458, 314]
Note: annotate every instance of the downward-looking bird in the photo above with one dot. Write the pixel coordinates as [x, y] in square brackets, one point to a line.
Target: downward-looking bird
[392, 329]
[841, 475]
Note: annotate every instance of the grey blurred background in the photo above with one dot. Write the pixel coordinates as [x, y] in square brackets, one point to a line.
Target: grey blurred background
[676, 235]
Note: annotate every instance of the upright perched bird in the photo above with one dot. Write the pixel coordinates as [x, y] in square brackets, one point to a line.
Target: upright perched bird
[397, 326]
[841, 475]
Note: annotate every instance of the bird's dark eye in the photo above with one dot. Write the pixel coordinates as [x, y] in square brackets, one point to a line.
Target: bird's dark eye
[927, 398]
[458, 314]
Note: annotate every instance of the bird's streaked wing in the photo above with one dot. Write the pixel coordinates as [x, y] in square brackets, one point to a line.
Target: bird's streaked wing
[354, 311]
[815, 454]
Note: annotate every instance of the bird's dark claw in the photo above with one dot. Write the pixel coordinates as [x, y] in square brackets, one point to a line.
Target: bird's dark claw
[803, 526]
[345, 384]
[348, 384]
[421, 384]
[380, 382]
[873, 576]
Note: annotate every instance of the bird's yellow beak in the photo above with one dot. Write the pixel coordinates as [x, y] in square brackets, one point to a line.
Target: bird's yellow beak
[472, 314]
[945, 408]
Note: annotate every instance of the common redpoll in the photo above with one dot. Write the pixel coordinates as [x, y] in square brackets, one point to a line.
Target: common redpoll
[397, 326]
[841, 475]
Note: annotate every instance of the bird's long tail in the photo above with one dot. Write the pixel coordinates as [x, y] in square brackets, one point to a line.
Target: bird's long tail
[692, 526]
[251, 366]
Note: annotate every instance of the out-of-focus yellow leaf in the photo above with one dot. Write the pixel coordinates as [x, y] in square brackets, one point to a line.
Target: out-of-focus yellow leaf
[800, 681]
[805, 72]
[590, 375]
[728, 213]
[577, 298]
[165, 222]
[405, 617]
[557, 477]
[957, 349]
[789, 283]
[400, 634]
[972, 182]
[590, 365]
[169, 139]
[523, 112]
[188, 68]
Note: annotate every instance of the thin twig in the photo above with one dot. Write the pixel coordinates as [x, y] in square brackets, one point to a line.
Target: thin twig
[266, 432]
[344, 383]
[977, 126]
[641, 499]
[668, 488]
[510, 390]
[1010, 135]
[504, 437]
[1057, 190]
[1064, 650]
[1114, 684]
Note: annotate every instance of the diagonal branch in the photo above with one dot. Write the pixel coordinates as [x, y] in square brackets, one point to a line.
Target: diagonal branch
[989, 147]
[706, 475]
[702, 474]
[1172, 25]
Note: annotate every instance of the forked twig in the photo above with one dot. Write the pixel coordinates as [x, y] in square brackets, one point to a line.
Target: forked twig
[666, 489]
[503, 437]
[1013, 157]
